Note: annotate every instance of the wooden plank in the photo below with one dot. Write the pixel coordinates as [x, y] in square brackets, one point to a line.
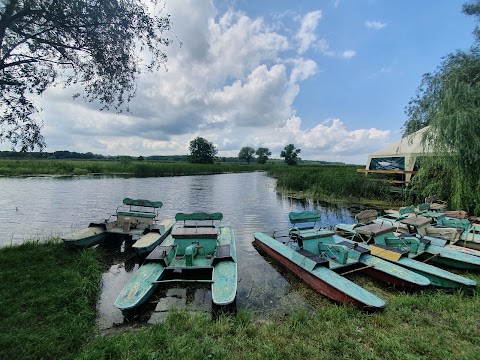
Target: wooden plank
[196, 233]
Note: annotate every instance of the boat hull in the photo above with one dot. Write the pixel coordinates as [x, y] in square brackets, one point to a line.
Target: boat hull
[392, 273]
[224, 286]
[146, 243]
[324, 280]
[85, 238]
[451, 258]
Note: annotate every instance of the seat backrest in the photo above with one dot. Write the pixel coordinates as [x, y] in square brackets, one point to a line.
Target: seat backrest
[303, 217]
[366, 216]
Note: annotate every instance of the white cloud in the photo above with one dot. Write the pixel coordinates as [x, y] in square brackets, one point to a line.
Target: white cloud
[306, 34]
[234, 81]
[302, 69]
[347, 54]
[376, 25]
[329, 140]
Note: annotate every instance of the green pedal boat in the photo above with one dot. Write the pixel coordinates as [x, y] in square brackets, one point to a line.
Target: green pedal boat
[134, 218]
[403, 250]
[194, 251]
[318, 259]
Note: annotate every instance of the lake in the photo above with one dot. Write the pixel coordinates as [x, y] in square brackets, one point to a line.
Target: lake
[44, 207]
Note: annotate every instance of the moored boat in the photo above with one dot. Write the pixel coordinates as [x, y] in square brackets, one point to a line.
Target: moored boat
[193, 252]
[131, 219]
[319, 259]
[382, 242]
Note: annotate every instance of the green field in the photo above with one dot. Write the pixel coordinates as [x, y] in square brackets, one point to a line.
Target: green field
[24, 167]
[47, 308]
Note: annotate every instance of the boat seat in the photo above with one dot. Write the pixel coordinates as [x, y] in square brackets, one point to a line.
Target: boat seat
[313, 233]
[159, 253]
[422, 239]
[313, 257]
[141, 214]
[354, 246]
[195, 233]
[222, 252]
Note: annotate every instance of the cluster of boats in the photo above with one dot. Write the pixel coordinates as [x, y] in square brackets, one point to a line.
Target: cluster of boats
[398, 248]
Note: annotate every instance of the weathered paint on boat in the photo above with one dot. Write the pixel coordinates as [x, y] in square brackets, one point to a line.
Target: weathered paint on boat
[387, 271]
[146, 243]
[140, 287]
[224, 286]
[437, 276]
[188, 250]
[470, 240]
[451, 257]
[464, 249]
[84, 238]
[378, 236]
[138, 216]
[319, 277]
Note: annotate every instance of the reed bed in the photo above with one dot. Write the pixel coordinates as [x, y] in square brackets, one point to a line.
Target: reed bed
[329, 182]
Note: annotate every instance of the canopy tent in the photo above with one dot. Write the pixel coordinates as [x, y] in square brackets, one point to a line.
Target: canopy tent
[398, 157]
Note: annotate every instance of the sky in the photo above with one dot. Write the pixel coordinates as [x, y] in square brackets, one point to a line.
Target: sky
[332, 77]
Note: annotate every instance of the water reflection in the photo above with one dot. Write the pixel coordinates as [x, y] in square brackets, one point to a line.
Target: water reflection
[249, 202]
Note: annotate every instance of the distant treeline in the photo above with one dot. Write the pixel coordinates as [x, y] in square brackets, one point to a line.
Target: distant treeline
[72, 155]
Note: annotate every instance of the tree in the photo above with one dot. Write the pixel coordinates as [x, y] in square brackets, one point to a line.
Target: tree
[290, 153]
[448, 101]
[202, 151]
[93, 43]
[246, 154]
[263, 154]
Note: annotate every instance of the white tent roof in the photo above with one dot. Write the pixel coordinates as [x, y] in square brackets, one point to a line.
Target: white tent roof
[407, 146]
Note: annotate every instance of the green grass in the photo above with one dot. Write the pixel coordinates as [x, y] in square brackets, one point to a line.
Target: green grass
[47, 310]
[47, 300]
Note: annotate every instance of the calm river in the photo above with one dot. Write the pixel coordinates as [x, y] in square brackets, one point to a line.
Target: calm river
[42, 207]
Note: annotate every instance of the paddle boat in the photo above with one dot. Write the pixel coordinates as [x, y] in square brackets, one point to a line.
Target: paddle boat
[382, 242]
[132, 219]
[446, 235]
[315, 256]
[195, 251]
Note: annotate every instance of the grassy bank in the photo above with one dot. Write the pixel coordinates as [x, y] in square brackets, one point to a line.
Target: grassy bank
[133, 167]
[47, 298]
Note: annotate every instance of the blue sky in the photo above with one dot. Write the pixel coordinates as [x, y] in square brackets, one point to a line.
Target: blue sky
[333, 77]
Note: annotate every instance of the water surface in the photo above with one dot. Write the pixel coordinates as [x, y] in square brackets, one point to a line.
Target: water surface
[42, 207]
